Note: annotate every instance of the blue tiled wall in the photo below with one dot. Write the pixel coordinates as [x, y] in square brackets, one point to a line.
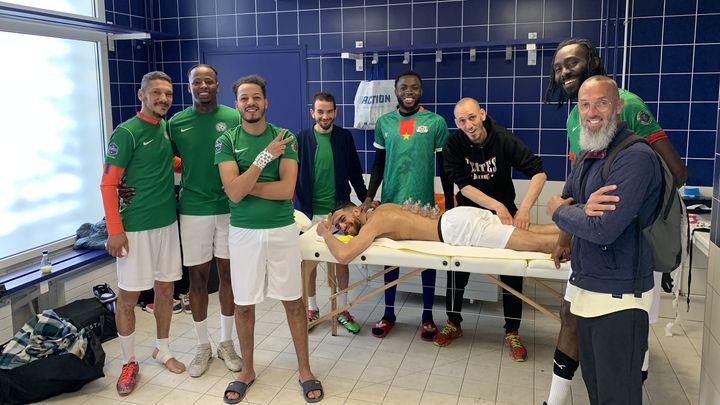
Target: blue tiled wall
[130, 60]
[674, 57]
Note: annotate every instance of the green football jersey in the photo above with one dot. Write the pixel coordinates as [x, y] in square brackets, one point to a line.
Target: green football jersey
[143, 149]
[324, 175]
[410, 144]
[253, 212]
[193, 137]
[637, 115]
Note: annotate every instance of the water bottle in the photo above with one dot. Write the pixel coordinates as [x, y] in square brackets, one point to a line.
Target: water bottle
[45, 265]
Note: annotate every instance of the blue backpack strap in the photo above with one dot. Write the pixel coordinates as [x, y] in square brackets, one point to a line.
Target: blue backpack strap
[612, 154]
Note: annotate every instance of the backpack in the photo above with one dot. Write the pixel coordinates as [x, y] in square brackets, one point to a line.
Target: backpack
[665, 230]
[90, 312]
[52, 375]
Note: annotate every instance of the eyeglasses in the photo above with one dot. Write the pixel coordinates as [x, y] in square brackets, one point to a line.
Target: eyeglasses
[600, 105]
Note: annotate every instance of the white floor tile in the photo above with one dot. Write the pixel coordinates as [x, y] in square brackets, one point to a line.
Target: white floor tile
[400, 369]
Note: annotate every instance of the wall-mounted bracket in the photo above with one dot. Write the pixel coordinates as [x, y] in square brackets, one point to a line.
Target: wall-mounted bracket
[123, 37]
[357, 57]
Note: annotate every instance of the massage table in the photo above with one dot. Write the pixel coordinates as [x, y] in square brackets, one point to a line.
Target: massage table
[422, 255]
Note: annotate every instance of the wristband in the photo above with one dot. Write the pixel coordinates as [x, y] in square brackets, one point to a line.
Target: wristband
[263, 158]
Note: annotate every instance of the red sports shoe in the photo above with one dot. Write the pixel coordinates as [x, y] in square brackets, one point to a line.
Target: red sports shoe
[449, 333]
[128, 378]
[428, 330]
[517, 349]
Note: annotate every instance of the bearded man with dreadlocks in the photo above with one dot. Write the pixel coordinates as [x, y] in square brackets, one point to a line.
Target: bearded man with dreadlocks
[574, 61]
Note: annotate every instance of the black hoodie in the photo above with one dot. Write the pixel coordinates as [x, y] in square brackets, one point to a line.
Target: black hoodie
[488, 167]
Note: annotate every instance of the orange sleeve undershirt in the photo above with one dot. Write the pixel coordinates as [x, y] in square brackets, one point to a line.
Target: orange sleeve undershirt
[177, 164]
[656, 136]
[108, 189]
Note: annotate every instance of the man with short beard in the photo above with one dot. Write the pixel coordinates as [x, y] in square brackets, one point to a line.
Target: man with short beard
[328, 165]
[258, 168]
[407, 144]
[577, 59]
[574, 61]
[143, 236]
[612, 321]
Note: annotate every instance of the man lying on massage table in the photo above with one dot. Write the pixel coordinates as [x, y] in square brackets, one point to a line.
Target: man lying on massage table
[460, 226]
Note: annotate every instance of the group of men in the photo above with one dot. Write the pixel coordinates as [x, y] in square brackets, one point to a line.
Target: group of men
[240, 175]
[235, 206]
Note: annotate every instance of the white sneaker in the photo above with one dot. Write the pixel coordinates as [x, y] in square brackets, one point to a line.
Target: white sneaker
[185, 300]
[226, 352]
[199, 364]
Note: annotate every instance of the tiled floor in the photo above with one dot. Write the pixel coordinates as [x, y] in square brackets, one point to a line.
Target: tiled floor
[400, 369]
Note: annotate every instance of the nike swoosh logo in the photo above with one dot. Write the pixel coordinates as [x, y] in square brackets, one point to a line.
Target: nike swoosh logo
[185, 129]
[560, 366]
[576, 127]
[148, 142]
[240, 150]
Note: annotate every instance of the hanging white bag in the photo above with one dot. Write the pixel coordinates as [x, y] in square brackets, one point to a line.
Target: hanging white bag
[373, 99]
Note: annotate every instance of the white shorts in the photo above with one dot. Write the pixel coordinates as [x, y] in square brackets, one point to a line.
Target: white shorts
[654, 313]
[470, 226]
[265, 263]
[204, 236]
[153, 255]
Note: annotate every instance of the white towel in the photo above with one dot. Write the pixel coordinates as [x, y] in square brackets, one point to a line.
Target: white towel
[443, 249]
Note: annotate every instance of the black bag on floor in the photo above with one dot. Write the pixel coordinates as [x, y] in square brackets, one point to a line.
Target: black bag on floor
[52, 375]
[90, 312]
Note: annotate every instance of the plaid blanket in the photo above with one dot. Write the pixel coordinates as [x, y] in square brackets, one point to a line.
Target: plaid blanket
[44, 335]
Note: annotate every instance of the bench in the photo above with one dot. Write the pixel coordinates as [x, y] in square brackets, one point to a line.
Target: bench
[25, 291]
[20, 279]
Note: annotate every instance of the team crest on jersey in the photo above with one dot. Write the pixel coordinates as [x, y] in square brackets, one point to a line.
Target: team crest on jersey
[422, 129]
[385, 134]
[113, 150]
[221, 127]
[218, 146]
[293, 146]
[643, 118]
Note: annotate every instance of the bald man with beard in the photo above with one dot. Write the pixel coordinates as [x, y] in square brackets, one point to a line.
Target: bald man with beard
[612, 318]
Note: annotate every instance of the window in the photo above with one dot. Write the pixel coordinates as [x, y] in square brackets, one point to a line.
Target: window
[51, 135]
[80, 7]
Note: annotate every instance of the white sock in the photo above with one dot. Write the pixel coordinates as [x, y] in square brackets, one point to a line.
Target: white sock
[646, 361]
[341, 300]
[201, 330]
[226, 327]
[312, 303]
[559, 391]
[163, 354]
[127, 345]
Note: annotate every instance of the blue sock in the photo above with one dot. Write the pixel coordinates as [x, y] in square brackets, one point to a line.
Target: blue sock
[428, 282]
[390, 295]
